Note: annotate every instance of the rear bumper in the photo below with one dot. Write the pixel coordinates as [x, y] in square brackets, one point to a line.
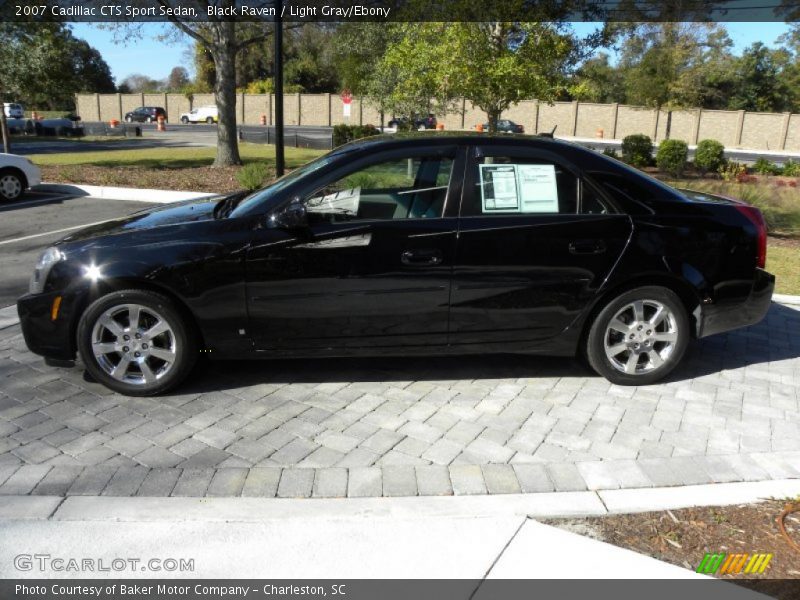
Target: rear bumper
[43, 335]
[718, 318]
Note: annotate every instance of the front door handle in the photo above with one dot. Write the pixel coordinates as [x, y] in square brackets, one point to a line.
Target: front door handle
[587, 247]
[422, 258]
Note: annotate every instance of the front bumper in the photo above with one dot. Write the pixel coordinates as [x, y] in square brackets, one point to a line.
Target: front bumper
[718, 318]
[51, 338]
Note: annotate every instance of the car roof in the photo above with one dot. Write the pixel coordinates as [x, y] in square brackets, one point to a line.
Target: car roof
[448, 138]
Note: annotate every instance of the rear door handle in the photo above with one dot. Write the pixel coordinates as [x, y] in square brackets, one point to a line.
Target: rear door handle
[587, 247]
[421, 258]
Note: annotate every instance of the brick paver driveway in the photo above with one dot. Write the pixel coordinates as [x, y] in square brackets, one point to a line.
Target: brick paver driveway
[372, 427]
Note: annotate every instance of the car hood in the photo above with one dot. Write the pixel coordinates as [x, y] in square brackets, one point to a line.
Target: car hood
[179, 213]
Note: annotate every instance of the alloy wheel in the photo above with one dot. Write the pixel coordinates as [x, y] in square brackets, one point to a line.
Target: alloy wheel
[134, 344]
[641, 337]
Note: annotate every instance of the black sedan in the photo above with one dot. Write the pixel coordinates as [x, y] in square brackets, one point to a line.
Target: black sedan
[506, 126]
[145, 114]
[408, 245]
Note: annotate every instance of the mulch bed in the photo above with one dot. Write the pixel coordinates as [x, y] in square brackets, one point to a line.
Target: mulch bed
[195, 179]
[682, 537]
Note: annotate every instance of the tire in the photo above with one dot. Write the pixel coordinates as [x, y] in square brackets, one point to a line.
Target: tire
[149, 119]
[12, 184]
[639, 337]
[129, 119]
[210, 120]
[133, 367]
[185, 120]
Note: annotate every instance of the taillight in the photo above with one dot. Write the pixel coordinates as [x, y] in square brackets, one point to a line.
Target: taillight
[755, 216]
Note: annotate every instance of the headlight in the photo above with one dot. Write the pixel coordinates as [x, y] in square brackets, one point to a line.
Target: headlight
[49, 257]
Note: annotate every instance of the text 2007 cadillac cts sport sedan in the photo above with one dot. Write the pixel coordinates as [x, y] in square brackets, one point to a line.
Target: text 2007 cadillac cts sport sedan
[425, 244]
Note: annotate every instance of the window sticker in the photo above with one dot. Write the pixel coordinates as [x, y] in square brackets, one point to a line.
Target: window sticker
[499, 188]
[343, 202]
[518, 188]
[538, 190]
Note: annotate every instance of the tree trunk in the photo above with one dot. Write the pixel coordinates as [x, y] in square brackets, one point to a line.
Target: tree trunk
[225, 96]
[494, 116]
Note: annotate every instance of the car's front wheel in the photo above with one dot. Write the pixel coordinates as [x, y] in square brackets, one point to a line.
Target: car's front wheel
[639, 337]
[185, 120]
[210, 120]
[12, 184]
[136, 342]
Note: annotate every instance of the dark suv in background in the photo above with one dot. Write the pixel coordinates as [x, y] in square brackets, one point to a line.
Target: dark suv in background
[428, 122]
[145, 114]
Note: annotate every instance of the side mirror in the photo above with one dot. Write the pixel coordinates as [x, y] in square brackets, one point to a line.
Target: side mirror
[294, 216]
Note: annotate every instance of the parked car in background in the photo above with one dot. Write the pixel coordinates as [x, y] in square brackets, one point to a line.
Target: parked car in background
[506, 126]
[145, 114]
[428, 122]
[201, 114]
[13, 110]
[408, 245]
[17, 174]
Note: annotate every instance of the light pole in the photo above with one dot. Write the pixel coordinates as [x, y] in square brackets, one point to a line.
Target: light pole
[278, 85]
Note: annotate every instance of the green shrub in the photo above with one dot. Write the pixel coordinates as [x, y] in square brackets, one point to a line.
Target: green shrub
[344, 133]
[709, 156]
[732, 171]
[671, 156]
[791, 168]
[765, 167]
[610, 152]
[637, 150]
[252, 176]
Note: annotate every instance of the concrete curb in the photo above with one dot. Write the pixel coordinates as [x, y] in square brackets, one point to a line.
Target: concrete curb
[786, 299]
[541, 505]
[119, 193]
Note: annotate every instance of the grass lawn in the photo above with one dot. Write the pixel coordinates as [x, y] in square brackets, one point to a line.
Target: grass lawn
[783, 261]
[172, 158]
[162, 168]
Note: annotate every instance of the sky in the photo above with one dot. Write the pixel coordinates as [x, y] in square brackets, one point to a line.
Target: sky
[156, 59]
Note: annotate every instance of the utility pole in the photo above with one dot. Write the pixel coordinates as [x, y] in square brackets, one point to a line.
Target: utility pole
[278, 85]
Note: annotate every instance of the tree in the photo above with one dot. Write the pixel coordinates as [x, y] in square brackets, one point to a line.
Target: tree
[668, 64]
[493, 65]
[136, 83]
[596, 80]
[44, 65]
[222, 41]
[760, 84]
[178, 79]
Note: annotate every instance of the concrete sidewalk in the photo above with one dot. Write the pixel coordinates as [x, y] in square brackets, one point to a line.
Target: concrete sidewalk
[299, 541]
[475, 537]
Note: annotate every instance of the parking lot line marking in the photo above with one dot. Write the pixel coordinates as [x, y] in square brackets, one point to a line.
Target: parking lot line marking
[35, 235]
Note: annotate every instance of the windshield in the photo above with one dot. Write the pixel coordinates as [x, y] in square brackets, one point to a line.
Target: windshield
[263, 197]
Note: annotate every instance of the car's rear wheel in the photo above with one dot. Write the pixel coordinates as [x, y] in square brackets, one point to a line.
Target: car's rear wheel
[639, 337]
[210, 120]
[129, 119]
[185, 120]
[12, 184]
[136, 342]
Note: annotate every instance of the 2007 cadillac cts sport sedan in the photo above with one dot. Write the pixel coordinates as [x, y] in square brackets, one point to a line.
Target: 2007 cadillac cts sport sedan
[425, 244]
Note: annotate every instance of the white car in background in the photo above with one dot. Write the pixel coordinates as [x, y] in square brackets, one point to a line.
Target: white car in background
[201, 114]
[17, 174]
[13, 110]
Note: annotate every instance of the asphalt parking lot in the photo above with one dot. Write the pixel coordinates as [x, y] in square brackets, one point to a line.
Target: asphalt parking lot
[379, 427]
[36, 220]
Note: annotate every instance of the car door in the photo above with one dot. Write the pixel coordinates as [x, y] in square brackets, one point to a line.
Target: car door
[536, 242]
[373, 267]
